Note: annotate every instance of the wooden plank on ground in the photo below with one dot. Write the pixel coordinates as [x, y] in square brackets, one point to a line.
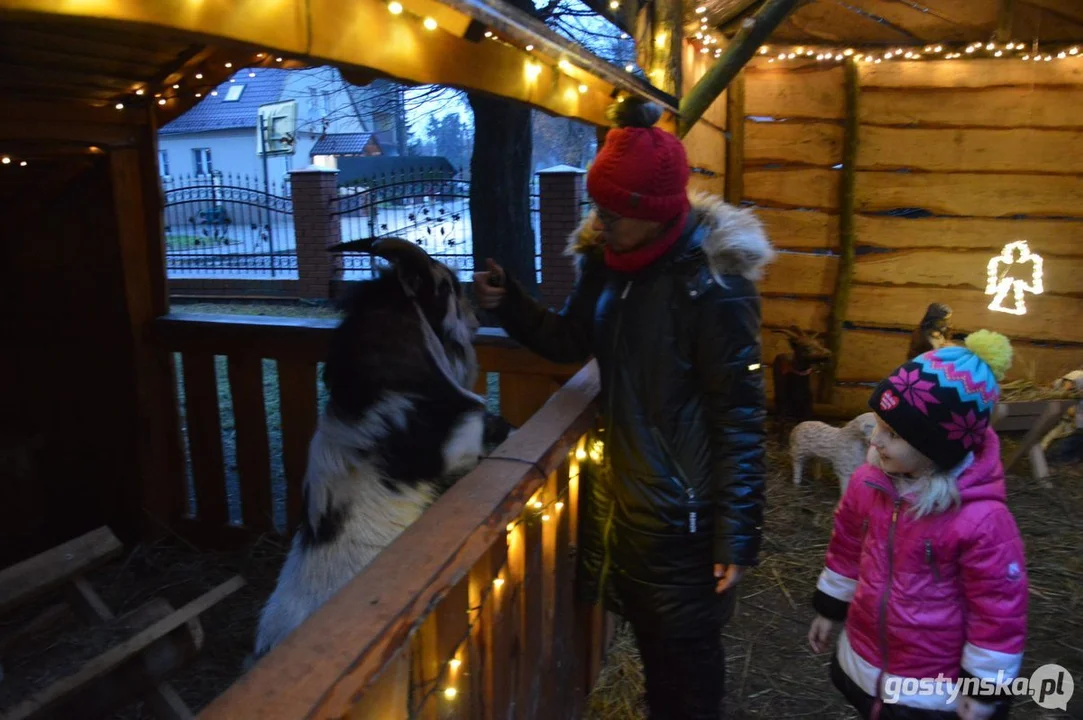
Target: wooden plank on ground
[114, 659]
[961, 269]
[799, 188]
[1004, 107]
[963, 194]
[794, 143]
[253, 448]
[815, 93]
[1048, 317]
[205, 437]
[30, 579]
[1016, 150]
[800, 274]
[800, 229]
[970, 74]
[870, 355]
[785, 312]
[1054, 237]
[298, 403]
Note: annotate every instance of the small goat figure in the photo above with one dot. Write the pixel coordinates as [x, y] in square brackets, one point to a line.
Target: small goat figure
[400, 424]
[792, 377]
[844, 448]
[933, 333]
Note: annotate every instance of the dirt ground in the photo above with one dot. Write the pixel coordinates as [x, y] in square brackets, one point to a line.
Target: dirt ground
[770, 670]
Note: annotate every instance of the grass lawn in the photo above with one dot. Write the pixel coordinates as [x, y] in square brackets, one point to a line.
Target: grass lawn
[191, 241]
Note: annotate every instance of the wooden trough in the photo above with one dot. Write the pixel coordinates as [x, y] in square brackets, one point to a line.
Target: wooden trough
[148, 644]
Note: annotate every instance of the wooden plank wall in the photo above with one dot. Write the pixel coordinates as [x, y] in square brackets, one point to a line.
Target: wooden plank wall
[705, 144]
[955, 159]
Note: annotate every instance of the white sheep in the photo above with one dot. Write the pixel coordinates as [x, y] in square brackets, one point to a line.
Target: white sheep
[401, 423]
[844, 447]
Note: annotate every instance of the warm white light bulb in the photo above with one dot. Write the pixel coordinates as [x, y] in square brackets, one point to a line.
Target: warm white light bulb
[627, 68]
[22, 164]
[395, 8]
[763, 50]
[498, 582]
[614, 5]
[530, 48]
[582, 89]
[6, 160]
[454, 663]
[429, 23]
[162, 101]
[701, 9]
[229, 65]
[1073, 51]
[559, 506]
[450, 693]
[545, 518]
[120, 106]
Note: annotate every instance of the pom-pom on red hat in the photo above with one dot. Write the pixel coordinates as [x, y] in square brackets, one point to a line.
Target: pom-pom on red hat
[641, 171]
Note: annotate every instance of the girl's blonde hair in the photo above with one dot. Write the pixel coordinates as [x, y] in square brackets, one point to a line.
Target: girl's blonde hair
[933, 493]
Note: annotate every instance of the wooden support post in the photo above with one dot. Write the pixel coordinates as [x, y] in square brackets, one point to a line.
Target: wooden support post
[846, 232]
[735, 140]
[740, 50]
[1005, 14]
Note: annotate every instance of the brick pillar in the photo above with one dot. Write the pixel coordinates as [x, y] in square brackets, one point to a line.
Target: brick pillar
[313, 188]
[561, 190]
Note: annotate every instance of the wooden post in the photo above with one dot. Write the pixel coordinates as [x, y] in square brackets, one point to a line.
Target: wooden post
[748, 39]
[160, 497]
[846, 232]
[1005, 14]
[735, 140]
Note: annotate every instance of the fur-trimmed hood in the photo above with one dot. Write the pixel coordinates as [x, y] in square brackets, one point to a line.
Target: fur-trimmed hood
[735, 242]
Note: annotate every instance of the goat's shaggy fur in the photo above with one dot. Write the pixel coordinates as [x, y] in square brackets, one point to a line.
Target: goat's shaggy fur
[845, 448]
[400, 424]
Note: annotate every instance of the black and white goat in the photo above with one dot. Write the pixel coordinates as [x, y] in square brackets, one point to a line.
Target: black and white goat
[400, 424]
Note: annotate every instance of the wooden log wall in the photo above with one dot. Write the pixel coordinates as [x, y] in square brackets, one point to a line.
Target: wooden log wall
[706, 142]
[955, 159]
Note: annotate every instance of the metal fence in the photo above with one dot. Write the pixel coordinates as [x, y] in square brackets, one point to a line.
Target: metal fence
[430, 209]
[228, 226]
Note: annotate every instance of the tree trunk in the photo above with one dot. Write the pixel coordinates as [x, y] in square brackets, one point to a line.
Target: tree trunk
[500, 170]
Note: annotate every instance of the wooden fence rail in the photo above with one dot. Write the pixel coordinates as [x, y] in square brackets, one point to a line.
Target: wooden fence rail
[297, 346]
[470, 613]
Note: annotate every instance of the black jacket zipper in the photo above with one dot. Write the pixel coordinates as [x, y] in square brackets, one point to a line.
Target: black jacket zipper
[608, 466]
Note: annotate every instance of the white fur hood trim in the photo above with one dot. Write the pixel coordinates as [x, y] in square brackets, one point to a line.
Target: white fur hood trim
[735, 244]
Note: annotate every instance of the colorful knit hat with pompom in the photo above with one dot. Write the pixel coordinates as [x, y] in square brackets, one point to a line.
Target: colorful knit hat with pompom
[941, 401]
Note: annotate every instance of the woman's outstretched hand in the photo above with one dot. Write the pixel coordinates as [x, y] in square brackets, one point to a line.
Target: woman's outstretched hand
[489, 286]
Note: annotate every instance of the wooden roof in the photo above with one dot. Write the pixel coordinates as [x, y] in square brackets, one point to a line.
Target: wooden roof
[126, 56]
[904, 22]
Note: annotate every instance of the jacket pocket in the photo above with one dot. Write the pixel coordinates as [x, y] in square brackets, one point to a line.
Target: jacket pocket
[930, 559]
[690, 503]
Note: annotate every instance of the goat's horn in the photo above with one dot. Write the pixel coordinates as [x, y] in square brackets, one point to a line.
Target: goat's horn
[390, 248]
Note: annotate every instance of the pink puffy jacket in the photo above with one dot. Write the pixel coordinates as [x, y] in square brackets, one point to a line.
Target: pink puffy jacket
[942, 595]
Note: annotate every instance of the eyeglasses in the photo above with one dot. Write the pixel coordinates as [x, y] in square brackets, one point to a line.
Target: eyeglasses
[608, 219]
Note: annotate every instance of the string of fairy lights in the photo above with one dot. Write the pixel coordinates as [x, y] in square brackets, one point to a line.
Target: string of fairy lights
[539, 509]
[1032, 52]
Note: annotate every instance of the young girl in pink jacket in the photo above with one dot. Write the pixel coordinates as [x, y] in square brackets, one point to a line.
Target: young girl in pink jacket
[926, 566]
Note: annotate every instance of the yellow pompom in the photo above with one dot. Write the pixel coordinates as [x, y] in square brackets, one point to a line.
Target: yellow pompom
[993, 348]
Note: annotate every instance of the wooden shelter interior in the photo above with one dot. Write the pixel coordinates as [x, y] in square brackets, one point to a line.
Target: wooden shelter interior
[986, 148]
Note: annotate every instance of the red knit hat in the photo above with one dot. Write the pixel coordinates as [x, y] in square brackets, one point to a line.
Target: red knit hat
[641, 171]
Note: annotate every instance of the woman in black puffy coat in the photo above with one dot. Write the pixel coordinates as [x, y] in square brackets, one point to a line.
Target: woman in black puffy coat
[665, 301]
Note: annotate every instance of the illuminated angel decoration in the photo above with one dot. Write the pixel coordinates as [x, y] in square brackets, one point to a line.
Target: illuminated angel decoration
[1015, 270]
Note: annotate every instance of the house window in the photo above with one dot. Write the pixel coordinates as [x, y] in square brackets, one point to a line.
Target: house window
[201, 159]
[163, 163]
[234, 93]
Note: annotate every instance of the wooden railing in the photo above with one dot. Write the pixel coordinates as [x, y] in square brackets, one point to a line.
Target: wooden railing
[471, 612]
[297, 346]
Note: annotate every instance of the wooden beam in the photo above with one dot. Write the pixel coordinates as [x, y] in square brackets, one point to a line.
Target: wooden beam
[735, 140]
[748, 39]
[1005, 14]
[843, 279]
[160, 496]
